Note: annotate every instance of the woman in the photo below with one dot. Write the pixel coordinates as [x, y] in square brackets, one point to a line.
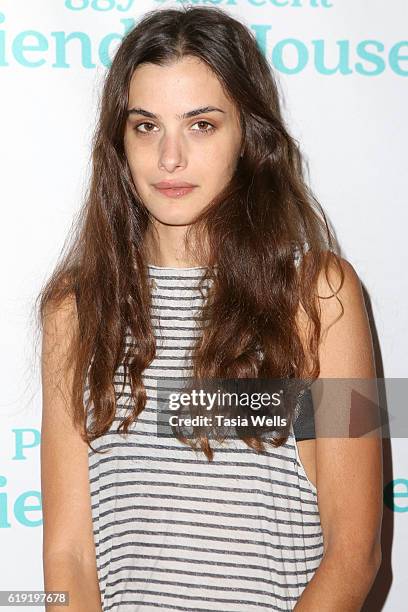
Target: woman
[201, 253]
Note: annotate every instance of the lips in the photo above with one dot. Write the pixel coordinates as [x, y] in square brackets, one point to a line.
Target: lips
[172, 184]
[175, 192]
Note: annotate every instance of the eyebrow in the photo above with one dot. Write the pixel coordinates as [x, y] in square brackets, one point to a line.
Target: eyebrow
[192, 113]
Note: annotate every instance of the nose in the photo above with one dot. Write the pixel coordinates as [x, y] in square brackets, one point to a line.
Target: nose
[172, 153]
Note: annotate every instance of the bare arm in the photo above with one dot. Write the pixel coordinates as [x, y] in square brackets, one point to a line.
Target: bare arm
[69, 559]
[348, 469]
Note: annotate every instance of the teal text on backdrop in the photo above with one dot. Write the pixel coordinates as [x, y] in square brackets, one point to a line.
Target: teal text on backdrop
[126, 5]
[291, 56]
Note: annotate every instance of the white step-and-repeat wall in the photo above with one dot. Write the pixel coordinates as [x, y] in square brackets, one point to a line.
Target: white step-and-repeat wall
[342, 66]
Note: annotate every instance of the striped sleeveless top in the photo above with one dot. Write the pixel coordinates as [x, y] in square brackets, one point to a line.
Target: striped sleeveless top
[173, 531]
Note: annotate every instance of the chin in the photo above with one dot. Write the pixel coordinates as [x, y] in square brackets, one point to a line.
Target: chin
[175, 213]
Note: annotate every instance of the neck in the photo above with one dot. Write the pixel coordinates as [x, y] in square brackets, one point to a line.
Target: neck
[164, 247]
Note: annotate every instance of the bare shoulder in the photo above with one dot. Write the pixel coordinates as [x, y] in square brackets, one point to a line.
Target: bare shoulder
[338, 279]
[343, 319]
[337, 276]
[58, 331]
[345, 325]
[64, 454]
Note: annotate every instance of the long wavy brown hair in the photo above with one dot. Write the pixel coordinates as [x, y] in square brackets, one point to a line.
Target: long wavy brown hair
[249, 234]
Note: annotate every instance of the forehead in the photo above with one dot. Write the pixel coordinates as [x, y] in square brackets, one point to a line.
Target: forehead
[187, 81]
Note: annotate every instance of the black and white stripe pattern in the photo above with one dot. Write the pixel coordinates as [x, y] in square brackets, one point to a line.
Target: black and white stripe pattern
[173, 531]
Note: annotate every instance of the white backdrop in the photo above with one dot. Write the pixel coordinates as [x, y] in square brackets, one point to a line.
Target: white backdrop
[343, 69]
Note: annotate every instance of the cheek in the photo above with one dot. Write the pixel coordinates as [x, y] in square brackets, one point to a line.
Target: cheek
[138, 164]
[221, 164]
[134, 156]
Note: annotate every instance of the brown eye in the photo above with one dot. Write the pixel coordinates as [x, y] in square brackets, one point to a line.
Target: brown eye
[211, 128]
[142, 131]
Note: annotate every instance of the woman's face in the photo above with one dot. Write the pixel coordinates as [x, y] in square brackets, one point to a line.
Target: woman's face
[161, 145]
